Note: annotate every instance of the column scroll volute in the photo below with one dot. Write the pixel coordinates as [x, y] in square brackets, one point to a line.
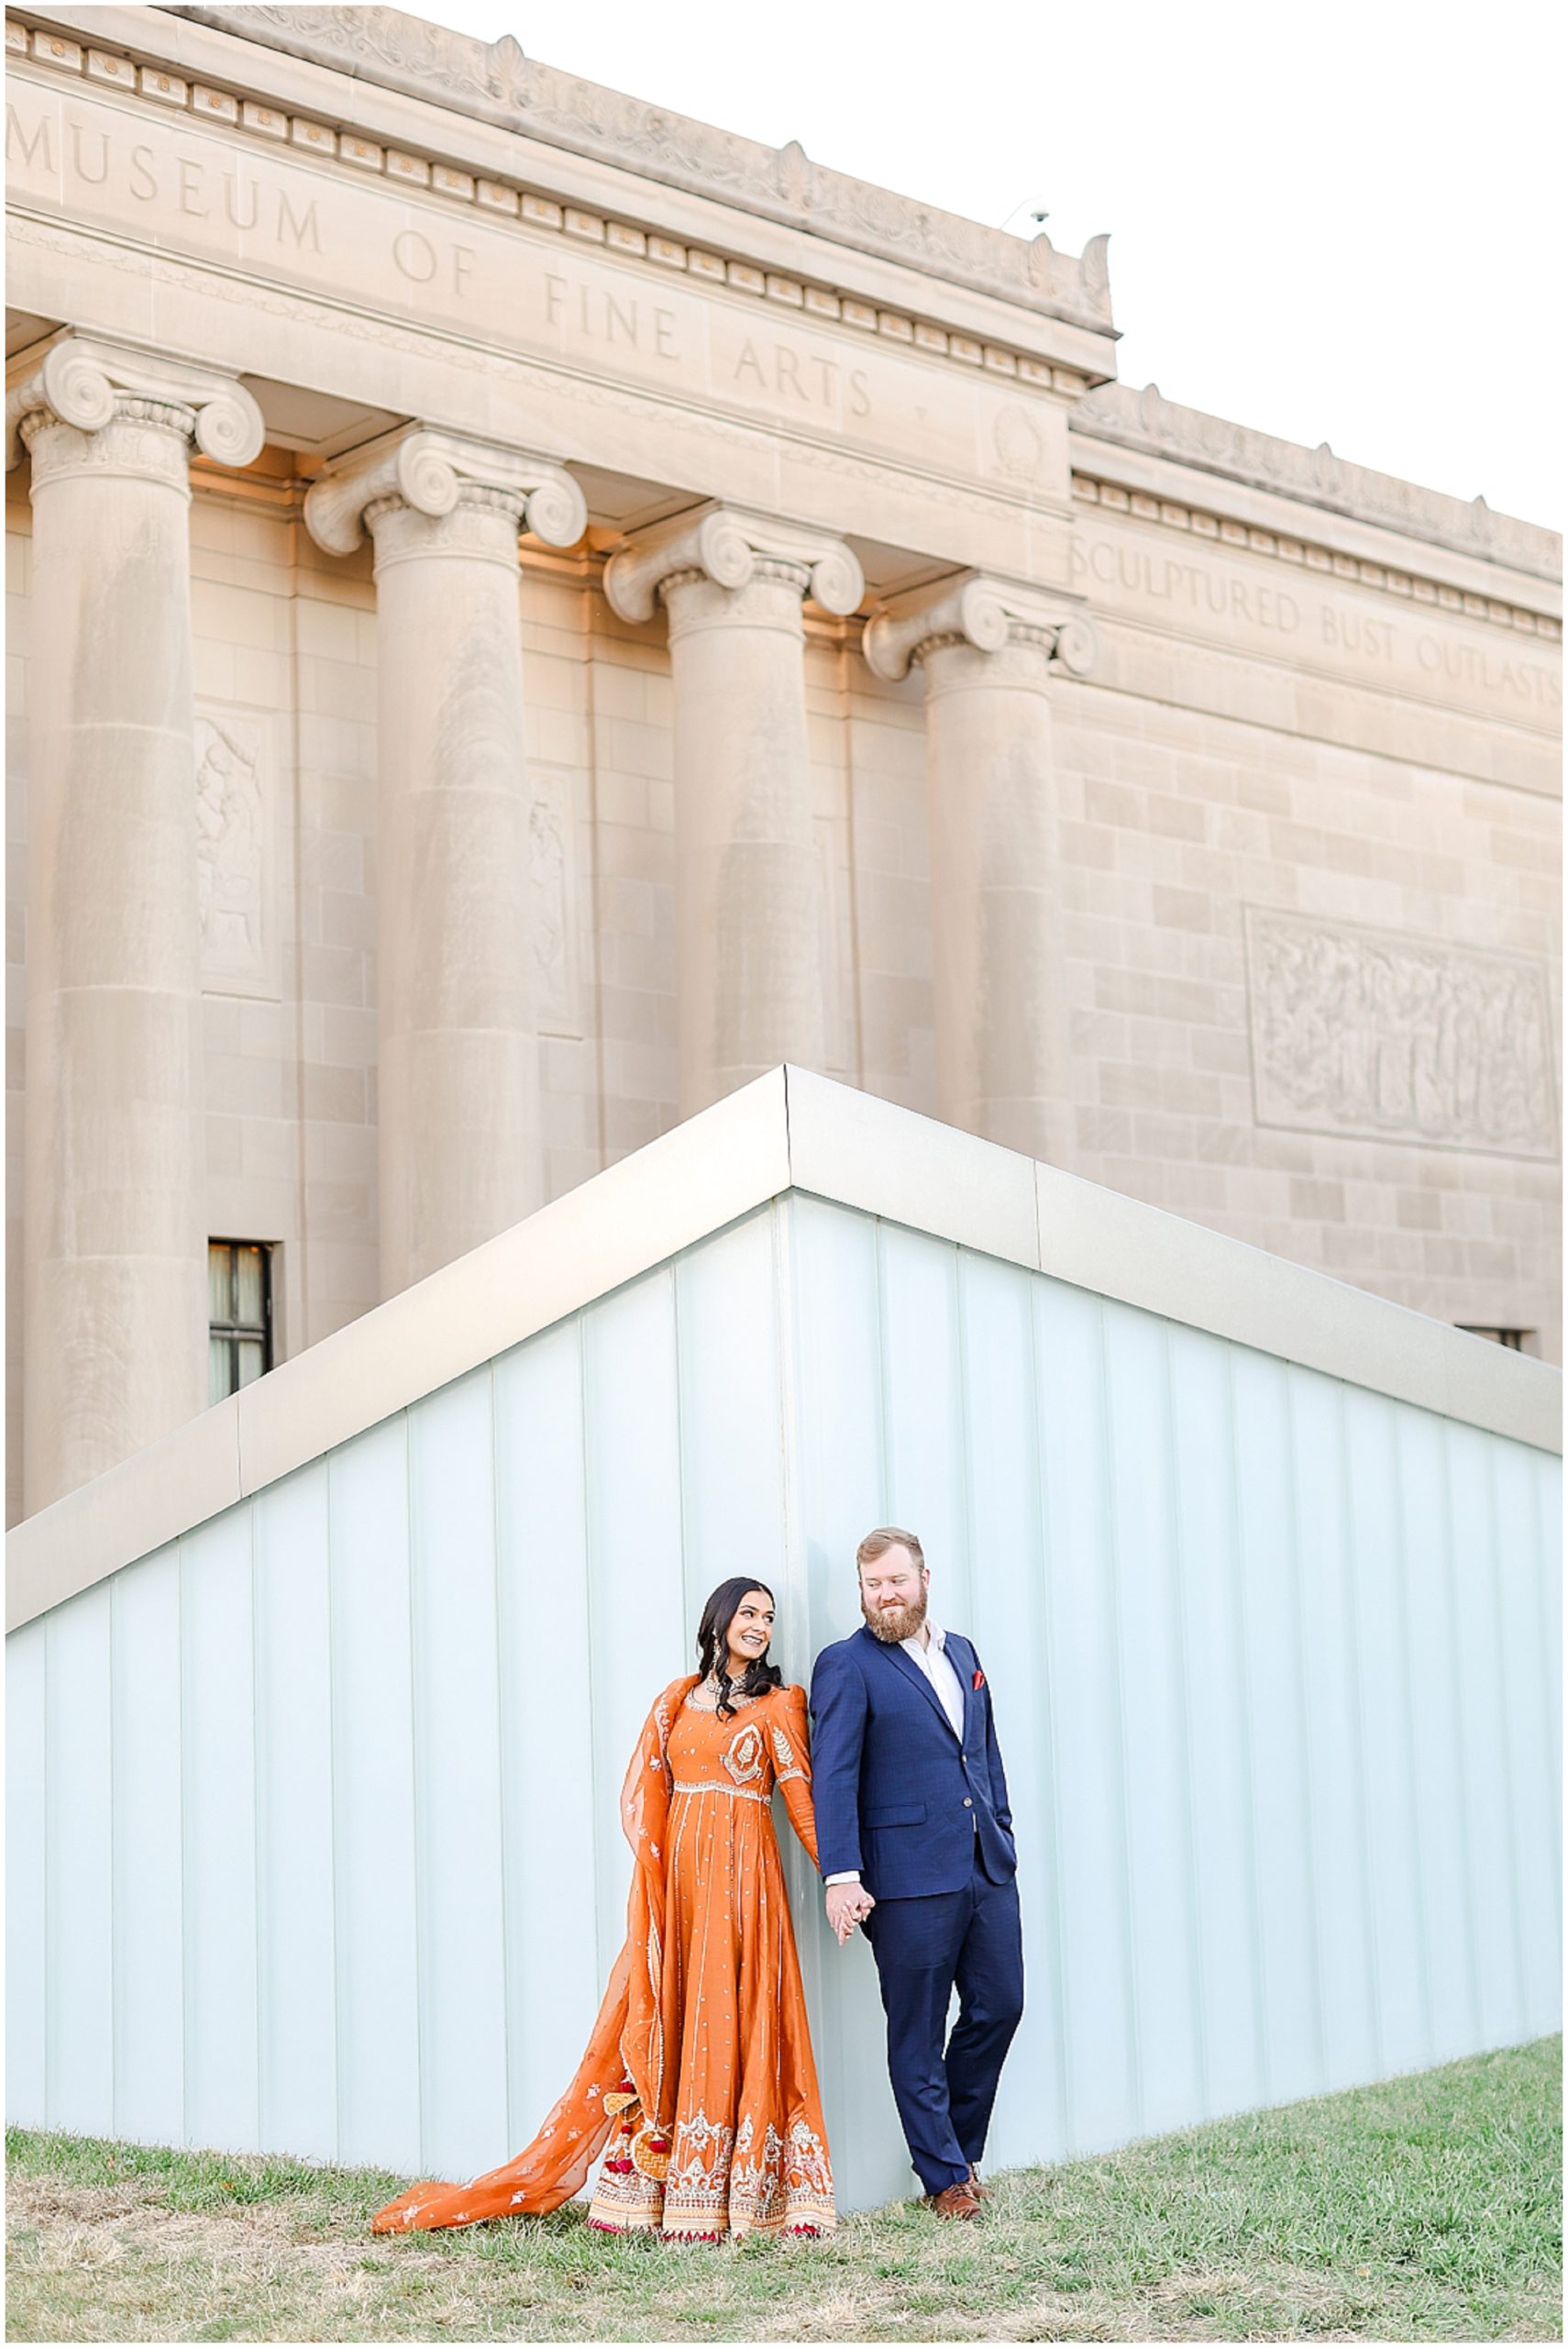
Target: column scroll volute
[85, 382]
[984, 613]
[726, 544]
[428, 471]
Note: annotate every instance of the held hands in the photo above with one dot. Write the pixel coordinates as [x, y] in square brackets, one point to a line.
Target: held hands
[848, 1904]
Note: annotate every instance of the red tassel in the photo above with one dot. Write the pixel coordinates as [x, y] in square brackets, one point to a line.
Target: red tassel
[658, 2145]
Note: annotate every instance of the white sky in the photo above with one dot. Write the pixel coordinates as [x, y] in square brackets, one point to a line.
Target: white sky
[1333, 222]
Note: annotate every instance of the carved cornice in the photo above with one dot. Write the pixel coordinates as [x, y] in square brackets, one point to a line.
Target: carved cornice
[726, 544]
[1145, 420]
[496, 83]
[1412, 586]
[512, 199]
[86, 382]
[431, 472]
[980, 611]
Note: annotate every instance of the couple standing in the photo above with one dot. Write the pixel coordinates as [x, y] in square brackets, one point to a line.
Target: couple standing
[697, 2084]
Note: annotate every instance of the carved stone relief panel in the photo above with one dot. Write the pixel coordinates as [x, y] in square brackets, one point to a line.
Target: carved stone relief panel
[553, 869]
[1362, 1031]
[235, 791]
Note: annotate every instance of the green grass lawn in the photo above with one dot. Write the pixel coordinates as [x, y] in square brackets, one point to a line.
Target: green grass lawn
[1425, 2209]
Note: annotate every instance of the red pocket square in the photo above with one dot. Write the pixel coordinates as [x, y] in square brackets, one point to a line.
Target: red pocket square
[979, 1679]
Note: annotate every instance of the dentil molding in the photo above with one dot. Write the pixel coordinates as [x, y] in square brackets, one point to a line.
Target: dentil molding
[977, 610]
[726, 544]
[429, 471]
[494, 81]
[83, 382]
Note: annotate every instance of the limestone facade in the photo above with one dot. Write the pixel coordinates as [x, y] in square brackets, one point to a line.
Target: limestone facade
[625, 607]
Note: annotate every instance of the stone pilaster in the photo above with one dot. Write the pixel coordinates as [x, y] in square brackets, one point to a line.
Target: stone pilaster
[115, 1291]
[987, 650]
[749, 931]
[461, 1154]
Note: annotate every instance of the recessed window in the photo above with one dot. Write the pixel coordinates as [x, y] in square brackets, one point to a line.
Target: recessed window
[1513, 1338]
[239, 1314]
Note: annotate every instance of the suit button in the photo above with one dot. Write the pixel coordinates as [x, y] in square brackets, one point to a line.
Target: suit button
[967, 1803]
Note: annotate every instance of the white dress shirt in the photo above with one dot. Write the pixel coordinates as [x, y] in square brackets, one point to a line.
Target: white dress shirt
[930, 1656]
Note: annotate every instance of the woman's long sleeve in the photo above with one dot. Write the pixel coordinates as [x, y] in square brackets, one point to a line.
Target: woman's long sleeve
[791, 1738]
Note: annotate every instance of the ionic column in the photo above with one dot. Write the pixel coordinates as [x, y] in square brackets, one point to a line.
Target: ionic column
[748, 933]
[115, 1289]
[461, 1154]
[987, 650]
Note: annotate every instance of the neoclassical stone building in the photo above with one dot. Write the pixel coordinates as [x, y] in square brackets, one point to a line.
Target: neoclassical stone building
[528, 611]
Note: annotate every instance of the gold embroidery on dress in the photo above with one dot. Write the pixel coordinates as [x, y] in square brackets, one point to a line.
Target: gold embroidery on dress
[744, 1756]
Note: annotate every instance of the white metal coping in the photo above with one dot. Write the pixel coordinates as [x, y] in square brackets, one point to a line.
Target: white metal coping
[787, 1130]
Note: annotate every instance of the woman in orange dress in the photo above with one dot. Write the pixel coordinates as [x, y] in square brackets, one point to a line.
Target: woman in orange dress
[697, 2084]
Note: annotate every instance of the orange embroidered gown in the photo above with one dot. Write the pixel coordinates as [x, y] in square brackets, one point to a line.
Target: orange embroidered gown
[698, 2084]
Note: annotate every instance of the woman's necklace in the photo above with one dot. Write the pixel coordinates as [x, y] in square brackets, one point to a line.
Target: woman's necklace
[711, 1687]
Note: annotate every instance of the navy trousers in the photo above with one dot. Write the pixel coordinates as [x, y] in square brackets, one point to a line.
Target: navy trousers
[971, 1940]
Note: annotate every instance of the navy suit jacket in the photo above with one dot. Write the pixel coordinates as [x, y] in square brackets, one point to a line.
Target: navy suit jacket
[898, 1796]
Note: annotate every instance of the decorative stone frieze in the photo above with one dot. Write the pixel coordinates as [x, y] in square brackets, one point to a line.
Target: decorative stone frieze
[985, 614]
[1413, 1039]
[748, 898]
[731, 547]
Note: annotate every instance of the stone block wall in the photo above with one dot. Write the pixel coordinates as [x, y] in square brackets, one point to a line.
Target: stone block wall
[1179, 829]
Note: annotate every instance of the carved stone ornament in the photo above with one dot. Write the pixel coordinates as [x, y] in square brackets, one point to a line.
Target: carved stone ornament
[429, 471]
[1145, 419]
[82, 382]
[494, 81]
[234, 860]
[983, 612]
[724, 544]
[1406, 1039]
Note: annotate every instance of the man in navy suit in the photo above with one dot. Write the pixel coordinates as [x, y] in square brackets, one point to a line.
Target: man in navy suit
[914, 1839]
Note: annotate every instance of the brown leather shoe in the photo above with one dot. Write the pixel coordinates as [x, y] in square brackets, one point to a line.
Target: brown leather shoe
[981, 2192]
[958, 2200]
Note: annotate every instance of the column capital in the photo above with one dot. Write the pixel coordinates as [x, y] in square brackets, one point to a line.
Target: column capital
[985, 613]
[728, 545]
[79, 379]
[432, 473]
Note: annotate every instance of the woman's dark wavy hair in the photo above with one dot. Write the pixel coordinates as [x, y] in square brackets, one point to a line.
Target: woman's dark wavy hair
[713, 1644]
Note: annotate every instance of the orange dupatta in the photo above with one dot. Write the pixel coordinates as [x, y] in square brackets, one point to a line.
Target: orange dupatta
[624, 2059]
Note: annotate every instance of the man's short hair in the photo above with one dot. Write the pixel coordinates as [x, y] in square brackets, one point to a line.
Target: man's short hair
[886, 1537]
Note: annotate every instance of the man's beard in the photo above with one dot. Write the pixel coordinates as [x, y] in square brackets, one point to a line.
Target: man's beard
[892, 1625]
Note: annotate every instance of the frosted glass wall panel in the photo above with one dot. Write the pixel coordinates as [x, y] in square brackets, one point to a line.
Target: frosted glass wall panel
[314, 1840]
[218, 1873]
[78, 1901]
[1331, 1718]
[376, 1953]
[1102, 2102]
[297, 2045]
[148, 1872]
[546, 1716]
[457, 1779]
[1224, 1858]
[27, 1840]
